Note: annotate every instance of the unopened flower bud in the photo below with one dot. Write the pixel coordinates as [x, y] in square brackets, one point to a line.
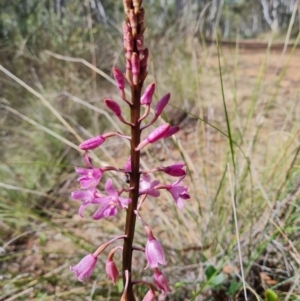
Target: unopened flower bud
[125, 29]
[129, 42]
[144, 60]
[148, 94]
[135, 67]
[157, 134]
[128, 64]
[141, 16]
[128, 56]
[127, 5]
[112, 105]
[140, 43]
[162, 104]
[175, 170]
[133, 22]
[119, 77]
[92, 143]
[171, 131]
[136, 5]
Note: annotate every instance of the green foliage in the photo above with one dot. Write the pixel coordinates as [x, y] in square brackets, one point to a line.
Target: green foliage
[271, 295]
[234, 287]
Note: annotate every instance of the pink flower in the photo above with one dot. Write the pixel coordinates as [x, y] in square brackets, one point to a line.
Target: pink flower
[175, 170]
[179, 193]
[90, 177]
[154, 251]
[92, 143]
[148, 187]
[111, 270]
[109, 204]
[161, 281]
[148, 94]
[161, 104]
[85, 267]
[150, 296]
[88, 197]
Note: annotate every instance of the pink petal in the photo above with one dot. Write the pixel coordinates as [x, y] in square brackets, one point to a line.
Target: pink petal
[81, 195]
[105, 210]
[124, 202]
[82, 208]
[111, 270]
[82, 171]
[127, 166]
[85, 267]
[154, 253]
[109, 188]
[161, 282]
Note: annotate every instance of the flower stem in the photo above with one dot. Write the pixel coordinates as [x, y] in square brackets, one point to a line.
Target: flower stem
[134, 182]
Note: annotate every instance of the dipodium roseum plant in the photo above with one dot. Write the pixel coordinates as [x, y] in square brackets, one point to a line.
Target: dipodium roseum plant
[141, 183]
